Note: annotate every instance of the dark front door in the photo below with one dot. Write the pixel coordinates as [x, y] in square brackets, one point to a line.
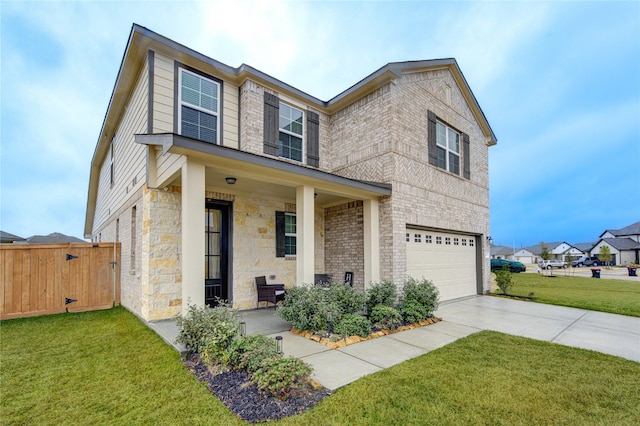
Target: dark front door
[216, 252]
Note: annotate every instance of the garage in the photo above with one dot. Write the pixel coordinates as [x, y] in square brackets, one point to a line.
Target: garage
[446, 259]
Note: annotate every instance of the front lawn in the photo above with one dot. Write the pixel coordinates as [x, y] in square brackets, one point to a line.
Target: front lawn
[605, 295]
[106, 367]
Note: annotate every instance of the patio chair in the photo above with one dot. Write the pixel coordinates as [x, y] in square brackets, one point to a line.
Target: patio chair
[323, 280]
[269, 292]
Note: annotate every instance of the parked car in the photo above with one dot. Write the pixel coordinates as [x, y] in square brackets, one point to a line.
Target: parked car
[553, 263]
[586, 261]
[498, 264]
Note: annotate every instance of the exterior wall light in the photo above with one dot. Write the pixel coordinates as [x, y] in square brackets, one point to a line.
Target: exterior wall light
[230, 180]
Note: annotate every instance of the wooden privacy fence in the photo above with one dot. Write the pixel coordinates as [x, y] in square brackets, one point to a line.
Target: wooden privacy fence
[39, 279]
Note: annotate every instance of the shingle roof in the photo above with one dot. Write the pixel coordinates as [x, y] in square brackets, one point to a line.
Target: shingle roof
[6, 237]
[633, 229]
[55, 237]
[537, 249]
[622, 243]
[585, 247]
[501, 250]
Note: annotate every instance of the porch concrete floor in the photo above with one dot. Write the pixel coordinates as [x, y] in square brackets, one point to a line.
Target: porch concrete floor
[617, 335]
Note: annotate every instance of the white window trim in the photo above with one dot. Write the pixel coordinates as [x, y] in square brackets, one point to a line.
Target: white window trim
[447, 150]
[196, 107]
[301, 136]
[112, 165]
[289, 234]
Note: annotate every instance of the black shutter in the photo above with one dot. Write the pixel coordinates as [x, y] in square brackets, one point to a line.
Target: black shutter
[466, 161]
[431, 138]
[271, 123]
[313, 139]
[280, 240]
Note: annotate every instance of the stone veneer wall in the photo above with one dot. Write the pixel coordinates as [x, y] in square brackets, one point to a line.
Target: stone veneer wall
[161, 272]
[344, 242]
[254, 247]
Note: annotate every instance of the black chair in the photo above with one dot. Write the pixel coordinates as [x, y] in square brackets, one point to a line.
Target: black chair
[273, 293]
[323, 280]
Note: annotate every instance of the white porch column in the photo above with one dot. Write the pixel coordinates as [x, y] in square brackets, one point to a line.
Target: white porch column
[305, 233]
[371, 242]
[193, 203]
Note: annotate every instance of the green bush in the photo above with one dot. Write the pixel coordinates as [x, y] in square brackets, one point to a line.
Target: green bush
[504, 279]
[208, 331]
[281, 376]
[248, 352]
[348, 299]
[351, 325]
[385, 317]
[412, 311]
[307, 307]
[384, 293]
[422, 292]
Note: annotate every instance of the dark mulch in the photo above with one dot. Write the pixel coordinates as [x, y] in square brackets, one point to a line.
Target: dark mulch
[235, 390]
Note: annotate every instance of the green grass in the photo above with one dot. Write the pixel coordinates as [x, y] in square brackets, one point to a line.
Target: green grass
[106, 367]
[606, 295]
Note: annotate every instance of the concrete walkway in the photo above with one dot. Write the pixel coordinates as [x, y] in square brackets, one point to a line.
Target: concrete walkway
[608, 333]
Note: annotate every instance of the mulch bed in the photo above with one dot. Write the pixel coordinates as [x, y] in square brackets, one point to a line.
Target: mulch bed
[242, 398]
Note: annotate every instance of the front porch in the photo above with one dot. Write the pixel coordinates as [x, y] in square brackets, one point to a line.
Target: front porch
[256, 188]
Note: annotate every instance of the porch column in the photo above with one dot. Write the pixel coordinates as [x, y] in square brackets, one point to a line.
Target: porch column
[305, 255]
[371, 242]
[193, 203]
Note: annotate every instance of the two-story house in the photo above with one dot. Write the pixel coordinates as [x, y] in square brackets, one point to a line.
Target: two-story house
[209, 175]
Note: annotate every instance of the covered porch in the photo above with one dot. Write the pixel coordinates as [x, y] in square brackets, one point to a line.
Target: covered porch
[254, 188]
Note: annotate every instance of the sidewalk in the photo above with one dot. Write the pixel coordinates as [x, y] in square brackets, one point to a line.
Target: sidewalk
[608, 333]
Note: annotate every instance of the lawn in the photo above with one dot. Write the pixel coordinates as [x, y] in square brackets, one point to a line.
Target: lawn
[106, 367]
[606, 295]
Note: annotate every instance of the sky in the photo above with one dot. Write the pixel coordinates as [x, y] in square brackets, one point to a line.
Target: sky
[559, 83]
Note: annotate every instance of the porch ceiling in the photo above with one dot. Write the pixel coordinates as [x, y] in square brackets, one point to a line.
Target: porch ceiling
[264, 176]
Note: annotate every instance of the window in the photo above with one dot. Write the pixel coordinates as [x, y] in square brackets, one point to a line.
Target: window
[470, 242]
[290, 136]
[408, 237]
[427, 239]
[447, 241]
[456, 242]
[112, 164]
[448, 148]
[417, 238]
[438, 240]
[198, 107]
[464, 241]
[290, 234]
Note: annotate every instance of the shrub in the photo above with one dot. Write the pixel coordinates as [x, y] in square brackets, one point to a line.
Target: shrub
[412, 311]
[351, 324]
[503, 279]
[306, 308]
[208, 331]
[348, 300]
[384, 293]
[281, 376]
[385, 317]
[423, 292]
[248, 352]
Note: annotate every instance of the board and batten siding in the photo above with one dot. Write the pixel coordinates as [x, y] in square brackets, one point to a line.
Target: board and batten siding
[129, 157]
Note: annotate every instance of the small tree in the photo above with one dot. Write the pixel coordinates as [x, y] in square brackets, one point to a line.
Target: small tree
[605, 255]
[545, 254]
[569, 258]
[504, 280]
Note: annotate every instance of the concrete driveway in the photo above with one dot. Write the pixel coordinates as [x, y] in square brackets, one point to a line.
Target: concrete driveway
[607, 333]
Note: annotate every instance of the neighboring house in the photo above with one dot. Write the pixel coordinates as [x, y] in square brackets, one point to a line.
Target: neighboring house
[624, 244]
[584, 248]
[558, 250]
[52, 238]
[7, 238]
[502, 252]
[210, 175]
[525, 256]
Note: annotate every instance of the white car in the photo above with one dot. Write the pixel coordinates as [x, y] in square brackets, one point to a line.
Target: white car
[553, 263]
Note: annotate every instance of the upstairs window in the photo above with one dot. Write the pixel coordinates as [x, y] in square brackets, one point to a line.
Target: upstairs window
[291, 133]
[448, 148]
[199, 107]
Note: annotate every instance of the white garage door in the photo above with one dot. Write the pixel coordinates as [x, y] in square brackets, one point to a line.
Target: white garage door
[448, 260]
